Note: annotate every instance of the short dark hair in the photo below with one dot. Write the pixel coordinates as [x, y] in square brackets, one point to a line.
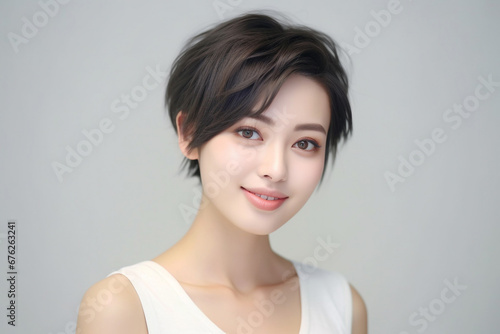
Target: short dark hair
[222, 73]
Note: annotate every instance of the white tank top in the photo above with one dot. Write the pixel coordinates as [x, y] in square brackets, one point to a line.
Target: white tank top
[326, 302]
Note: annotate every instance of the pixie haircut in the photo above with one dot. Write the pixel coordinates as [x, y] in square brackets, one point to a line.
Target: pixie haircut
[222, 74]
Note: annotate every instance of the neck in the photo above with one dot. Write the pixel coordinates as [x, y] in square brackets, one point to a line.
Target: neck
[219, 253]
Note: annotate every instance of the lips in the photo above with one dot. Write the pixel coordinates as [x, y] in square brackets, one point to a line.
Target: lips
[265, 199]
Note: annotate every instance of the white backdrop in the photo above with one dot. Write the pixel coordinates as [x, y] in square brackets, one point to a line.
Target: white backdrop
[412, 202]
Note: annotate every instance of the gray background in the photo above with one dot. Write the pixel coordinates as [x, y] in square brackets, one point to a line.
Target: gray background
[122, 204]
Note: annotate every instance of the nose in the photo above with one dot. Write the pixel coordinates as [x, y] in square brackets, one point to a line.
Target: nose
[273, 165]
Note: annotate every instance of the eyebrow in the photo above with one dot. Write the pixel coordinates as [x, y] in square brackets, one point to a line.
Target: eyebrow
[310, 126]
[298, 127]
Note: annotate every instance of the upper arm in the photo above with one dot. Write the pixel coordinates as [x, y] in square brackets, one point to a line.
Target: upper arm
[111, 306]
[359, 313]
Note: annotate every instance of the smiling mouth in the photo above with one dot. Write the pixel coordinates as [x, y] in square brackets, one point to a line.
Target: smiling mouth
[265, 202]
[277, 196]
[268, 198]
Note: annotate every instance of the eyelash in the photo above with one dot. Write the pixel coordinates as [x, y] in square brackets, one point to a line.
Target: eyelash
[315, 145]
[247, 129]
[310, 141]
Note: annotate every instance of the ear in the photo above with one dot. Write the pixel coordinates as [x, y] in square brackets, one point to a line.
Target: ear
[184, 140]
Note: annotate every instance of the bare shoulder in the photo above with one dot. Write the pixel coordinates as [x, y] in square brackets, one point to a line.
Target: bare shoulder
[111, 306]
[359, 313]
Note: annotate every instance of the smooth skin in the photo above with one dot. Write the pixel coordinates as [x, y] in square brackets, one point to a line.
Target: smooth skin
[225, 260]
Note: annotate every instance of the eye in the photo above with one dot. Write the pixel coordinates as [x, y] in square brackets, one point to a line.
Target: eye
[248, 133]
[307, 145]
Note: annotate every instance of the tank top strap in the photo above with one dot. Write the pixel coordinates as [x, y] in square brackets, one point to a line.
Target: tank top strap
[329, 300]
[167, 307]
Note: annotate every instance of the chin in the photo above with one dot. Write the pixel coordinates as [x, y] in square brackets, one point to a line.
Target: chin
[262, 223]
[260, 230]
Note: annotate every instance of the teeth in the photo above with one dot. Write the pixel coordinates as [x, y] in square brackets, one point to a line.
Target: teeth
[269, 198]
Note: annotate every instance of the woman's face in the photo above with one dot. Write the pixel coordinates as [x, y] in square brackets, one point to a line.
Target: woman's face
[259, 172]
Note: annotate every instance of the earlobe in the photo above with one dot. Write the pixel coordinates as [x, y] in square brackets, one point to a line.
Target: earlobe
[183, 139]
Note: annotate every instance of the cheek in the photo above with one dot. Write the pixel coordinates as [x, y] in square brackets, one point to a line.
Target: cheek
[307, 173]
[225, 158]
[212, 159]
[241, 158]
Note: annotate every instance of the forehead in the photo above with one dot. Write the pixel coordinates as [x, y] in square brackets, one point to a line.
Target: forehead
[300, 99]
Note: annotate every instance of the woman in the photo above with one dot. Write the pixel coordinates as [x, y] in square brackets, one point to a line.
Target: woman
[258, 106]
